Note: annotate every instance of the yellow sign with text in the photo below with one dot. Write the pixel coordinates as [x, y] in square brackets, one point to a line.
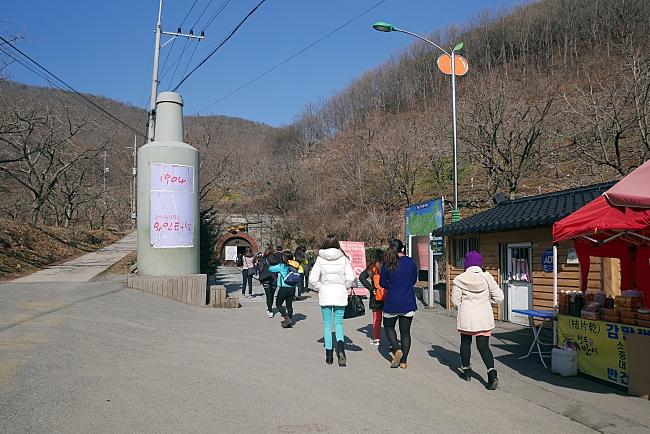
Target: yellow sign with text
[601, 346]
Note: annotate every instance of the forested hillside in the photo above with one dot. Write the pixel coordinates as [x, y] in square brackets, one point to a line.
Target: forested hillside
[557, 95]
[66, 160]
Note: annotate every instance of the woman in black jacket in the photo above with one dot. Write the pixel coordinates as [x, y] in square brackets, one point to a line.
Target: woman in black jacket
[266, 277]
[367, 279]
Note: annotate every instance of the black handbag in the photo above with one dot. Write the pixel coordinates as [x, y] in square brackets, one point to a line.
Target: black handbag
[355, 307]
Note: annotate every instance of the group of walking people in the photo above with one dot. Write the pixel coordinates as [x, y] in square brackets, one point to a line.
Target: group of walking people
[272, 269]
[390, 279]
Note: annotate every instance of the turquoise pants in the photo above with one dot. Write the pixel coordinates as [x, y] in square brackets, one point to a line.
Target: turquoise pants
[327, 324]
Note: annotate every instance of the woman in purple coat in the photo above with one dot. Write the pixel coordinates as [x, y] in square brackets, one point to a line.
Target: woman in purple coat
[398, 275]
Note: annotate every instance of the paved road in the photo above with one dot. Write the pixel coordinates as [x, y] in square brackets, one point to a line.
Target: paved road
[80, 357]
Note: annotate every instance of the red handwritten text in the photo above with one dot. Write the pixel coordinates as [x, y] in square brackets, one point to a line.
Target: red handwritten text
[170, 179]
[172, 226]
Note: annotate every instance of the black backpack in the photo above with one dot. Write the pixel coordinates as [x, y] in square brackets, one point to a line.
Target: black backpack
[263, 269]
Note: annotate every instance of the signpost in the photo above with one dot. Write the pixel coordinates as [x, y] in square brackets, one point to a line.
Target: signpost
[421, 220]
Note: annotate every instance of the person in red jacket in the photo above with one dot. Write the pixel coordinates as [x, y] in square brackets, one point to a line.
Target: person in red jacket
[369, 278]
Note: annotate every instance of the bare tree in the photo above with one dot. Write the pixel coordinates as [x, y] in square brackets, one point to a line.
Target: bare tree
[75, 190]
[41, 146]
[7, 58]
[504, 124]
[607, 122]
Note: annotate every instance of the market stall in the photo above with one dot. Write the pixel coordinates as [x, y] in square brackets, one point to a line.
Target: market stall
[615, 225]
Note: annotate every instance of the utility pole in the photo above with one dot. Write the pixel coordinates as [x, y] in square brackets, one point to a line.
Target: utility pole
[156, 57]
[133, 179]
[105, 172]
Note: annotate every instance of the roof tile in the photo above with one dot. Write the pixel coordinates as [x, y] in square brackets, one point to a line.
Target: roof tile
[527, 212]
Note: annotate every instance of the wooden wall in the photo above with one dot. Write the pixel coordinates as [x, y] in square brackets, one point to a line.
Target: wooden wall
[603, 272]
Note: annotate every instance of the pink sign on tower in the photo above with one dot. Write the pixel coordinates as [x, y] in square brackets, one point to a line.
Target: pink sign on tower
[356, 253]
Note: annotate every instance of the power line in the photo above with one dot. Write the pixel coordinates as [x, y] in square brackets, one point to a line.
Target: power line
[189, 12]
[215, 15]
[219, 46]
[290, 58]
[185, 46]
[96, 107]
[174, 41]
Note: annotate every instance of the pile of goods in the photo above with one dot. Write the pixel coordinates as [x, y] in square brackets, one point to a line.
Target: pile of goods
[579, 304]
[626, 308]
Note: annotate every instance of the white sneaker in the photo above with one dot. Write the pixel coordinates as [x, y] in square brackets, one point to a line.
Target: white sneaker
[270, 314]
[374, 342]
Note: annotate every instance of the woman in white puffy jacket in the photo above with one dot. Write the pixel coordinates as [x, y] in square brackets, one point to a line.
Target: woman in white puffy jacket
[332, 275]
[473, 294]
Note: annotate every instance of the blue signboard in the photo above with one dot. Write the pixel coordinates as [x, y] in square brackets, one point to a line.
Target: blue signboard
[547, 259]
[423, 218]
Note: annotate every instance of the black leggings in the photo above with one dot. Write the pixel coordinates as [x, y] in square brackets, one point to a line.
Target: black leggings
[404, 334]
[285, 294]
[483, 345]
[269, 290]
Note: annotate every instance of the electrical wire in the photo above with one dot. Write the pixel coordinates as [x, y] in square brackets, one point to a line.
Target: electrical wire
[178, 62]
[219, 46]
[216, 14]
[290, 58]
[95, 107]
[174, 42]
[185, 47]
[189, 12]
[191, 57]
[147, 81]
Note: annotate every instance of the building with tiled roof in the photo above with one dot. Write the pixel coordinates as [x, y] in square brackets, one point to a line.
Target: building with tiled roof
[531, 212]
[515, 238]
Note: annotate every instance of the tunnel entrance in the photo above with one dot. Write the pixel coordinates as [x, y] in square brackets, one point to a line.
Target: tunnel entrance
[240, 240]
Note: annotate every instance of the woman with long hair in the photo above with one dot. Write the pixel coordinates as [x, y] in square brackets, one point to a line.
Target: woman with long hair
[332, 275]
[247, 272]
[286, 292]
[398, 275]
[473, 294]
[266, 277]
[369, 278]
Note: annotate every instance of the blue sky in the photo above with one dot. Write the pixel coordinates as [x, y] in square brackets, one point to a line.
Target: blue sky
[106, 48]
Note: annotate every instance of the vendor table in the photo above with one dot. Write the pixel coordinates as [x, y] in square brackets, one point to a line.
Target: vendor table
[544, 315]
[601, 346]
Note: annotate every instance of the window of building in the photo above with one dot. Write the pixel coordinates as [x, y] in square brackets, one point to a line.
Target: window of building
[461, 247]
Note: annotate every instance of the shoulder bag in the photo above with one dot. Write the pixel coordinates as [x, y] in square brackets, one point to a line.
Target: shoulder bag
[355, 307]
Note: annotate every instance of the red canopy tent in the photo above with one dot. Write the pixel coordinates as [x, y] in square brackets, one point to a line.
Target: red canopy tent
[621, 231]
[632, 191]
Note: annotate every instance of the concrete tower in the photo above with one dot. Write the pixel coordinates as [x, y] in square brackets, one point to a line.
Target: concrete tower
[168, 196]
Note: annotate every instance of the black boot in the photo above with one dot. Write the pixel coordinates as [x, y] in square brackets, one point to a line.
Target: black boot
[329, 356]
[466, 373]
[493, 381]
[341, 353]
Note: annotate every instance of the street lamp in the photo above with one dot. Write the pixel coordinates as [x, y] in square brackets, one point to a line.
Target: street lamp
[447, 69]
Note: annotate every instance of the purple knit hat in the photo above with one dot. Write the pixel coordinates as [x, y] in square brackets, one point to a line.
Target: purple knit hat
[473, 259]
